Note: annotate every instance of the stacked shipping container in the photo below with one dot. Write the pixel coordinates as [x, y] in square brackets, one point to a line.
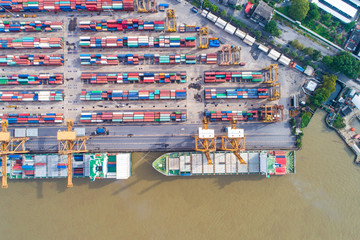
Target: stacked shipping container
[211, 77]
[30, 42]
[31, 79]
[133, 95]
[216, 116]
[236, 93]
[137, 42]
[69, 5]
[133, 59]
[30, 26]
[115, 117]
[121, 25]
[31, 60]
[25, 118]
[31, 96]
[147, 77]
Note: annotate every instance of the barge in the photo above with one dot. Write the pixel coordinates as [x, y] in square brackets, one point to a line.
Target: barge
[225, 163]
[89, 165]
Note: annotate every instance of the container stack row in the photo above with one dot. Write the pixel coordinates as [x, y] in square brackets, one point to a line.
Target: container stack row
[216, 116]
[31, 79]
[211, 77]
[31, 96]
[147, 77]
[208, 58]
[30, 42]
[30, 26]
[133, 95]
[31, 60]
[187, 28]
[114, 117]
[236, 93]
[121, 25]
[137, 42]
[66, 6]
[24, 118]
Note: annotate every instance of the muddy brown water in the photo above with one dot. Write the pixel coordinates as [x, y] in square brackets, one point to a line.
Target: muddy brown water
[320, 201]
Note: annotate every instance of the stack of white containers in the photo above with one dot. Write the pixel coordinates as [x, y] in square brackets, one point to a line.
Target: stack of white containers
[143, 41]
[44, 96]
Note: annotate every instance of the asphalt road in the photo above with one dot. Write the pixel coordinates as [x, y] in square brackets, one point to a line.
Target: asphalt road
[165, 137]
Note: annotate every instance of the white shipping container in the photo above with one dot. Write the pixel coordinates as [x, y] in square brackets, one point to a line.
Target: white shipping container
[212, 17]
[240, 34]
[249, 40]
[230, 29]
[274, 54]
[263, 48]
[284, 60]
[204, 13]
[220, 23]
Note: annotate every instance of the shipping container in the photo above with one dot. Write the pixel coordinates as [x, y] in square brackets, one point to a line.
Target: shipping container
[227, 76]
[236, 93]
[31, 79]
[217, 116]
[31, 96]
[66, 6]
[30, 42]
[31, 60]
[138, 77]
[32, 118]
[133, 117]
[122, 25]
[30, 26]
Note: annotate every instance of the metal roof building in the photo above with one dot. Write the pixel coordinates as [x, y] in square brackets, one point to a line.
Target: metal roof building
[338, 8]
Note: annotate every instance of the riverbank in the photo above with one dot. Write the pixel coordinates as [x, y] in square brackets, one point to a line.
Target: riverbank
[346, 134]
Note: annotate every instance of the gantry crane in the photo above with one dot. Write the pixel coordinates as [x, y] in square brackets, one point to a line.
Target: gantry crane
[234, 141]
[69, 143]
[273, 82]
[225, 55]
[170, 20]
[145, 8]
[235, 55]
[272, 78]
[204, 38]
[273, 113]
[9, 145]
[205, 141]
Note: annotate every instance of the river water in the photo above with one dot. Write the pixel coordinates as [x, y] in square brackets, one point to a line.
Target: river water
[320, 201]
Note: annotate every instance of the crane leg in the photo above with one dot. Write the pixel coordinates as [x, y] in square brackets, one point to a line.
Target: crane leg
[4, 172]
[207, 155]
[70, 184]
[237, 155]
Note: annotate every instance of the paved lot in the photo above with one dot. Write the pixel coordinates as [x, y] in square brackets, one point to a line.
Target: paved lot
[291, 82]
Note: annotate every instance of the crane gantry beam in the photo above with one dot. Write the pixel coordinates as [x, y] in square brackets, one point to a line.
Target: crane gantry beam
[204, 38]
[205, 141]
[69, 143]
[234, 141]
[170, 20]
[9, 145]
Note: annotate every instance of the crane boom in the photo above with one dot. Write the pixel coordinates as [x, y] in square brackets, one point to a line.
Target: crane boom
[9, 145]
[205, 141]
[69, 143]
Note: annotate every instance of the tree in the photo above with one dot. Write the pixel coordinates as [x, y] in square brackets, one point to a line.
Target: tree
[301, 58]
[308, 51]
[346, 64]
[286, 50]
[313, 13]
[293, 54]
[316, 55]
[223, 13]
[257, 34]
[271, 27]
[214, 8]
[305, 119]
[297, 45]
[238, 7]
[339, 122]
[327, 60]
[324, 92]
[326, 19]
[299, 9]
[349, 26]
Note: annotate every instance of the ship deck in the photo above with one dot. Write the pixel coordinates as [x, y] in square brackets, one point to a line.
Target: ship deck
[226, 163]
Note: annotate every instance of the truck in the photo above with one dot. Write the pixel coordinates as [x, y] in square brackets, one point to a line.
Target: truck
[194, 9]
[100, 131]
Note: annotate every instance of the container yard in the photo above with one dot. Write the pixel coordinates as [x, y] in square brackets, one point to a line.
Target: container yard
[31, 79]
[124, 78]
[192, 67]
[129, 95]
[31, 60]
[30, 118]
[30, 42]
[31, 96]
[30, 26]
[123, 117]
